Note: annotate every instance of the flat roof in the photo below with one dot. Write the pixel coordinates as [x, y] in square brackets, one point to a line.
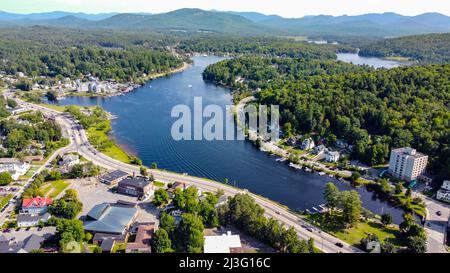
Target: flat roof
[137, 182]
[113, 175]
[221, 243]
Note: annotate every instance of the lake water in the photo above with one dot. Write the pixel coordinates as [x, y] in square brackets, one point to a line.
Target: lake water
[143, 126]
[371, 61]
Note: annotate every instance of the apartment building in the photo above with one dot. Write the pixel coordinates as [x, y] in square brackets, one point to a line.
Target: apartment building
[407, 164]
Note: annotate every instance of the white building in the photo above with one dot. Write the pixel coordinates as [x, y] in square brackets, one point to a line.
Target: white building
[444, 193]
[318, 150]
[332, 156]
[68, 161]
[31, 220]
[407, 164]
[308, 144]
[14, 167]
[224, 243]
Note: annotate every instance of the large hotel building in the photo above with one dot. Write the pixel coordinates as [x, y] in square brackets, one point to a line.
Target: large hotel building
[407, 164]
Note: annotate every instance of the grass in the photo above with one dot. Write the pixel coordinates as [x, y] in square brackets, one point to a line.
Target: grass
[5, 199]
[54, 106]
[159, 184]
[54, 188]
[30, 172]
[119, 248]
[355, 234]
[98, 137]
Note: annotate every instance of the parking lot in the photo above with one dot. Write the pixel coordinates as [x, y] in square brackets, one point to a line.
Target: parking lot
[91, 193]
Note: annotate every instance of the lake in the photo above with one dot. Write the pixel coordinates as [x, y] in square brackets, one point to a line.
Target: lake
[354, 58]
[143, 127]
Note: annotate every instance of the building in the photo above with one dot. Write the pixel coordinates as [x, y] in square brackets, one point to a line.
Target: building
[14, 166]
[36, 205]
[135, 186]
[319, 150]
[443, 194]
[67, 162]
[31, 220]
[18, 110]
[30, 243]
[174, 187]
[33, 158]
[407, 164]
[225, 243]
[308, 144]
[113, 177]
[110, 218]
[142, 243]
[332, 156]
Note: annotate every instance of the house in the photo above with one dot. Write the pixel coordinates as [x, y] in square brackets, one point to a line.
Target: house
[225, 243]
[341, 144]
[135, 186]
[67, 162]
[332, 156]
[407, 164]
[33, 158]
[30, 243]
[36, 205]
[110, 218]
[18, 110]
[14, 166]
[31, 220]
[308, 144]
[144, 235]
[174, 187]
[319, 150]
[443, 194]
[113, 177]
[33, 242]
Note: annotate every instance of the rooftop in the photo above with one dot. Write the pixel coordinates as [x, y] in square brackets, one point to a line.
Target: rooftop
[409, 152]
[221, 243]
[109, 218]
[111, 176]
[137, 182]
[36, 202]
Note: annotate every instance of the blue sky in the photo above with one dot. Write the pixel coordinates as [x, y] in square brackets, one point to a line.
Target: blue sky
[286, 8]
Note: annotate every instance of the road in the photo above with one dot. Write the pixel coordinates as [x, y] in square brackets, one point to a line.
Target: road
[436, 225]
[79, 143]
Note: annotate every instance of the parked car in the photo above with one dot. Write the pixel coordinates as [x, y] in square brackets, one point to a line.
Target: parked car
[439, 213]
[339, 244]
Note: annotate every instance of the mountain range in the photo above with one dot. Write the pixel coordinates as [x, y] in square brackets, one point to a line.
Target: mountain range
[240, 23]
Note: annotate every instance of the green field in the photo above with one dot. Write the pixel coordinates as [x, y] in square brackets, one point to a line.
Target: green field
[54, 188]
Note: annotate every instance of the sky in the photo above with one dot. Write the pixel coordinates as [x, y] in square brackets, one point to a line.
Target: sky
[285, 8]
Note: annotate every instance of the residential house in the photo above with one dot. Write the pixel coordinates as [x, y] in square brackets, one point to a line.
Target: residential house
[443, 193]
[143, 238]
[319, 150]
[331, 156]
[110, 218]
[225, 243]
[14, 166]
[341, 144]
[135, 186]
[36, 205]
[308, 144]
[174, 187]
[113, 177]
[30, 243]
[67, 162]
[31, 220]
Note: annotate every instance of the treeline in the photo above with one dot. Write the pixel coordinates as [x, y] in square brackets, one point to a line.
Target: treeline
[261, 72]
[127, 64]
[429, 48]
[374, 110]
[261, 46]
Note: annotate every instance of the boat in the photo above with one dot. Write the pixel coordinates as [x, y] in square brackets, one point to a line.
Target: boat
[330, 175]
[190, 85]
[308, 170]
[321, 173]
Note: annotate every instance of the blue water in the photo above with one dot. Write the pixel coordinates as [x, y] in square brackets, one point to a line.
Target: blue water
[371, 61]
[143, 127]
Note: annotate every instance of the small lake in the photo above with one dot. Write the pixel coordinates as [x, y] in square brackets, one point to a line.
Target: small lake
[143, 126]
[354, 58]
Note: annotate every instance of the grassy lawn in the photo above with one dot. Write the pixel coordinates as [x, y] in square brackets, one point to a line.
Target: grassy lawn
[30, 172]
[355, 234]
[54, 188]
[119, 248]
[98, 136]
[54, 107]
[4, 200]
[159, 184]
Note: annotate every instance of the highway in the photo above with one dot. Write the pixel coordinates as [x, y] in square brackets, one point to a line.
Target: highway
[80, 143]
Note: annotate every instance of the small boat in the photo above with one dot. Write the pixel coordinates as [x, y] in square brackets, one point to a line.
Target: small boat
[321, 173]
[190, 85]
[330, 175]
[307, 170]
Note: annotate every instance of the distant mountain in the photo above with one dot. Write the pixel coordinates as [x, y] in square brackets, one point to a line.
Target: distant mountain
[187, 20]
[243, 23]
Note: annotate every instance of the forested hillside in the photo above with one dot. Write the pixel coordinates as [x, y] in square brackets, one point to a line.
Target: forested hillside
[113, 57]
[376, 110]
[430, 48]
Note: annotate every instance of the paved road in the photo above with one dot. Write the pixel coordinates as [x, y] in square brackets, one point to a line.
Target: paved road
[435, 225]
[80, 144]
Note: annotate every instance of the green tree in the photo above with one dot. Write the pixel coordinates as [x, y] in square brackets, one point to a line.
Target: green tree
[161, 242]
[143, 171]
[5, 178]
[351, 207]
[167, 222]
[160, 198]
[386, 219]
[331, 196]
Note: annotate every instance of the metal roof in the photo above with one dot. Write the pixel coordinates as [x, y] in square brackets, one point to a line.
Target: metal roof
[110, 218]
